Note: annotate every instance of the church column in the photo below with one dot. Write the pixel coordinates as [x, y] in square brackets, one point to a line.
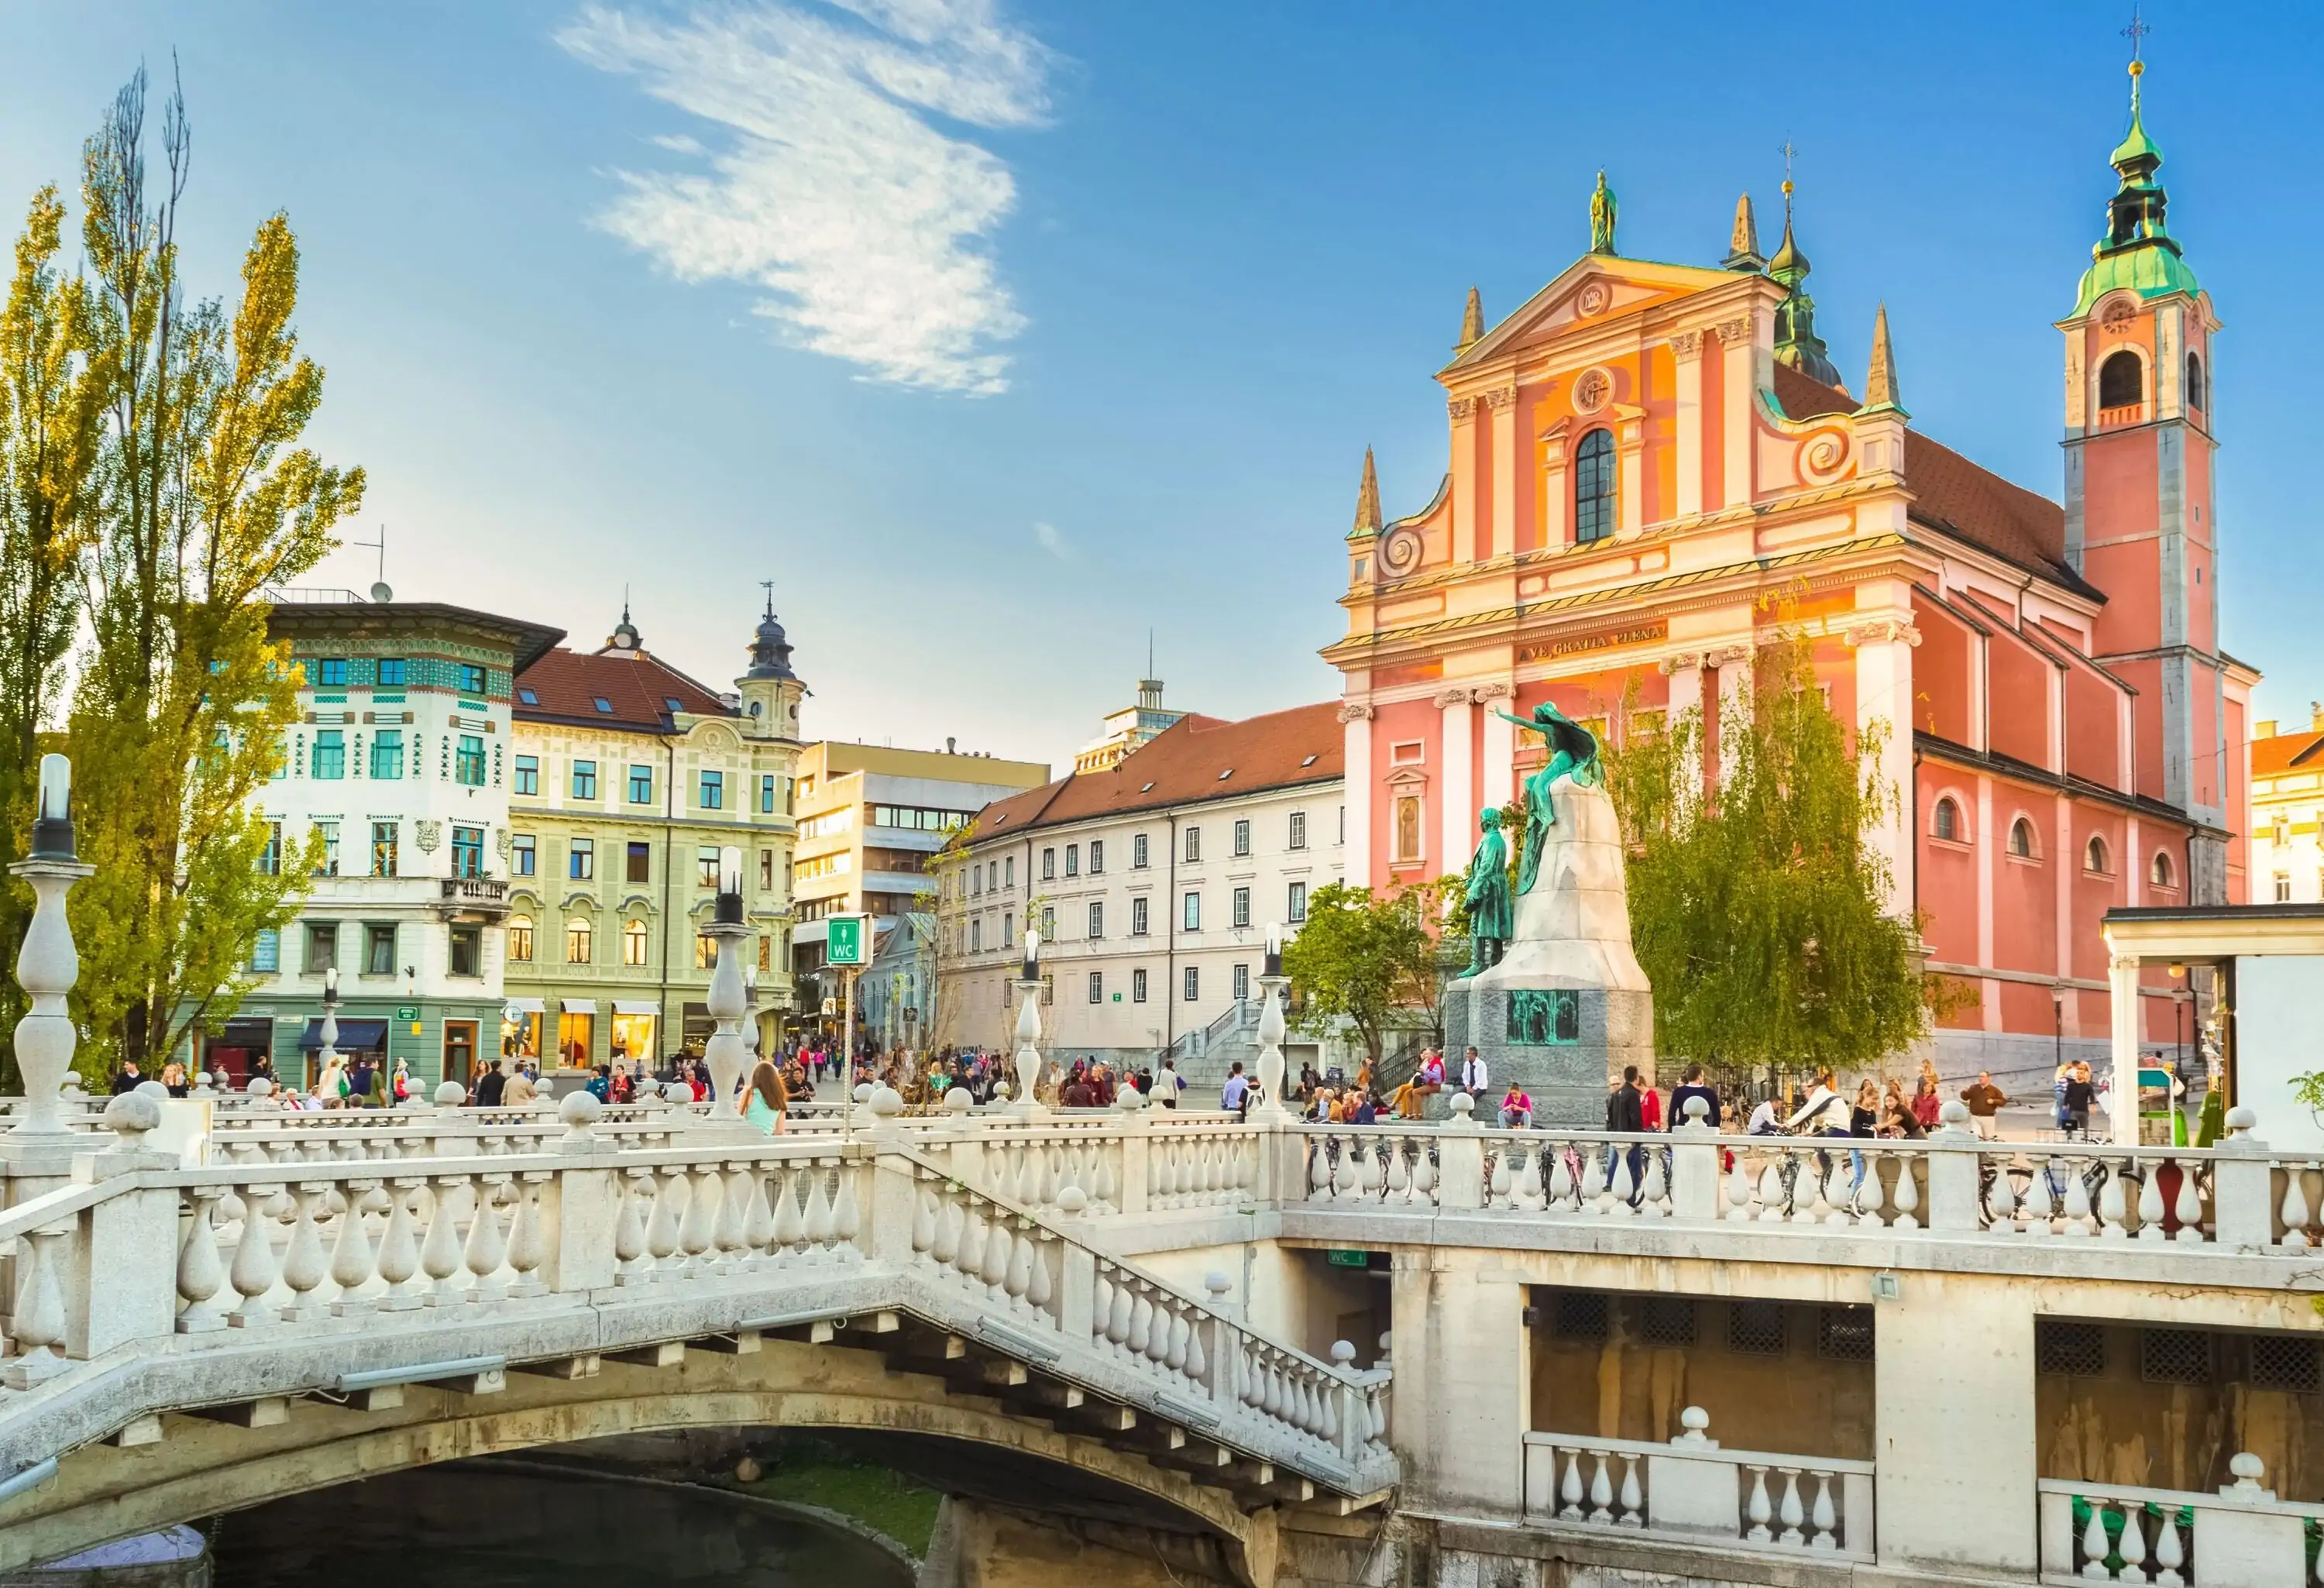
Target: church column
[1884, 696]
[1733, 669]
[1556, 499]
[1738, 355]
[1988, 850]
[1685, 676]
[1500, 745]
[1458, 815]
[1463, 411]
[1503, 403]
[1687, 345]
[1356, 755]
[1630, 452]
[2121, 983]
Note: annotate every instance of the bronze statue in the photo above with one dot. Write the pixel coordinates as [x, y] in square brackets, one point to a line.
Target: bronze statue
[1491, 917]
[1602, 217]
[1572, 753]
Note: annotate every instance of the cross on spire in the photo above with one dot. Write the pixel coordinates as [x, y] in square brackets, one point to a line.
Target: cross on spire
[2136, 31]
[769, 587]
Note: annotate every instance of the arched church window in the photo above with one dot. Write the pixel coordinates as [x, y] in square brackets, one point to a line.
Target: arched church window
[2195, 379]
[2021, 838]
[2122, 381]
[2094, 857]
[1948, 820]
[1593, 487]
[2160, 874]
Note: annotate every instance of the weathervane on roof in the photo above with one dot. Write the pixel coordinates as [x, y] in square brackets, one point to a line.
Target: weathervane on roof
[769, 587]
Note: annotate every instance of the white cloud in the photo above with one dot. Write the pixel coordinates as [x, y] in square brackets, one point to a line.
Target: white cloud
[1053, 542]
[677, 143]
[830, 188]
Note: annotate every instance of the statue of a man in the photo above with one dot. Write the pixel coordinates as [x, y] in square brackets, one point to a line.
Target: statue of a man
[1492, 919]
[1602, 217]
[1572, 753]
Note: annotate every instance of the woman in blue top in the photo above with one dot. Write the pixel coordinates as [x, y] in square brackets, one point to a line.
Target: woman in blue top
[764, 1100]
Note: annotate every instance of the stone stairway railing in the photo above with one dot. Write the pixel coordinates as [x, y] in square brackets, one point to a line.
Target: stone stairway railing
[142, 1287]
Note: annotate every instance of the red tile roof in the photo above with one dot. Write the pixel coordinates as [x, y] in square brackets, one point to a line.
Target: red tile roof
[2303, 748]
[1197, 758]
[568, 685]
[1954, 494]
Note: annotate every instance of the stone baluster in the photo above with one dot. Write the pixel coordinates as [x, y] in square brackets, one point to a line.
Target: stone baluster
[697, 1228]
[726, 1236]
[1601, 1489]
[399, 1246]
[820, 1222]
[998, 1245]
[2170, 1551]
[1594, 1195]
[759, 1220]
[304, 1266]
[2294, 1209]
[1772, 1209]
[1823, 1522]
[2150, 1214]
[1906, 1197]
[201, 1273]
[2132, 1545]
[1530, 1193]
[2114, 1207]
[2001, 1202]
[2187, 1207]
[1398, 1187]
[790, 1218]
[485, 1252]
[1738, 1190]
[255, 1270]
[37, 1322]
[1756, 1509]
[1632, 1499]
[1792, 1513]
[2096, 1546]
[439, 1253]
[352, 1260]
[2080, 1219]
[528, 1247]
[1347, 1184]
[1654, 1190]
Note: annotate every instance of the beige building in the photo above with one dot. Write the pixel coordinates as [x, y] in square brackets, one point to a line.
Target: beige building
[2287, 811]
[1127, 729]
[628, 777]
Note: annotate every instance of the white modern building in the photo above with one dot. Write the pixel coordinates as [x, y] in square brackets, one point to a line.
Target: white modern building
[1153, 883]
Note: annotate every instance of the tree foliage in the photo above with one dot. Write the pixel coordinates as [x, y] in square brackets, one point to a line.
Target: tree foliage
[156, 493]
[1759, 910]
[1362, 958]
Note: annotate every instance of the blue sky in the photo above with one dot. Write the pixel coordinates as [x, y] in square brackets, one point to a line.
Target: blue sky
[999, 334]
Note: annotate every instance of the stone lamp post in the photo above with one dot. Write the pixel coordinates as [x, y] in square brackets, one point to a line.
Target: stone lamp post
[47, 967]
[327, 1035]
[726, 1053]
[1028, 1028]
[1271, 983]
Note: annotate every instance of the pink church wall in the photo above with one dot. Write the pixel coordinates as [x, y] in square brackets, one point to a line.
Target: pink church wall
[2093, 728]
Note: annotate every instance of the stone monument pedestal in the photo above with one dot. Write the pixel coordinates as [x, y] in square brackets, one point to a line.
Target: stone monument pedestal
[1568, 1006]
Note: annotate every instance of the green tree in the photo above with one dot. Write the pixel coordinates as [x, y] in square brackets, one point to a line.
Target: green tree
[1757, 907]
[181, 707]
[51, 402]
[1362, 960]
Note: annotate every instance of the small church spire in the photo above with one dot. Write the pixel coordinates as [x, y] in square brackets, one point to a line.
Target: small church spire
[1743, 246]
[1880, 388]
[1472, 323]
[2138, 251]
[1367, 507]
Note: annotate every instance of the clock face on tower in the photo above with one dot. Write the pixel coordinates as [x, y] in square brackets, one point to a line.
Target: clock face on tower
[2118, 315]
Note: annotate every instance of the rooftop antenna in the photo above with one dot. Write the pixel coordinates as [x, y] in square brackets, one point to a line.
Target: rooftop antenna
[378, 589]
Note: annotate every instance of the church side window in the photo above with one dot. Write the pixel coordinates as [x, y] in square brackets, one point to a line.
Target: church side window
[2021, 838]
[1948, 821]
[2093, 859]
[1593, 487]
[2194, 380]
[2160, 872]
[2122, 381]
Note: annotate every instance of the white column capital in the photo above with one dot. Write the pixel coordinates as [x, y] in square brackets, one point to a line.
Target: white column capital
[1736, 332]
[1447, 699]
[1691, 661]
[1687, 345]
[1887, 632]
[2125, 962]
[1482, 693]
[1356, 711]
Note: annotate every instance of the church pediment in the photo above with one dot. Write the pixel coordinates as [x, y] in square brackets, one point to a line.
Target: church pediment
[1595, 289]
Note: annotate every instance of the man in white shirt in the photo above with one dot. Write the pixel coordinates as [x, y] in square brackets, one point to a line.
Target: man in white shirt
[1472, 1074]
[1231, 1098]
[1764, 1120]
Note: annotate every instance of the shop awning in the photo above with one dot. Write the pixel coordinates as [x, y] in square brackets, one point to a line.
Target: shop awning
[627, 1006]
[355, 1036]
[527, 1005]
[578, 1005]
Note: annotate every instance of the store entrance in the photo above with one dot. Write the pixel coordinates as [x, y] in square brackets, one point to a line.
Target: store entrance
[460, 1048]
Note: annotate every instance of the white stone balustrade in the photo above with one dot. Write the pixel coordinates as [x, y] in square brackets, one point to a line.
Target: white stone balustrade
[2241, 1536]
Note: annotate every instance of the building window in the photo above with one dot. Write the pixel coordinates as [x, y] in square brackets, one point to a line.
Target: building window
[2194, 380]
[467, 851]
[1096, 919]
[706, 866]
[468, 957]
[2283, 887]
[379, 950]
[528, 774]
[1138, 916]
[1097, 857]
[2094, 855]
[1192, 922]
[633, 943]
[584, 780]
[976, 935]
[1097, 986]
[322, 946]
[1407, 828]
[1342, 838]
[766, 870]
[705, 951]
[472, 679]
[1194, 844]
[712, 794]
[1242, 837]
[2159, 874]
[1048, 923]
[1294, 910]
[1048, 865]
[331, 673]
[391, 672]
[638, 862]
[469, 764]
[387, 754]
[581, 859]
[266, 950]
[641, 785]
[330, 753]
[767, 794]
[1593, 487]
[2122, 381]
[519, 939]
[269, 859]
[1297, 837]
[2021, 838]
[1073, 860]
[1194, 983]
[576, 942]
[1137, 852]
[975, 882]
[522, 861]
[1008, 930]
[1137, 986]
[1242, 983]
[382, 848]
[329, 864]
[1241, 905]
[1948, 823]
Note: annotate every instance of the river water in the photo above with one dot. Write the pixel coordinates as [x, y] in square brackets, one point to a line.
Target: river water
[475, 1527]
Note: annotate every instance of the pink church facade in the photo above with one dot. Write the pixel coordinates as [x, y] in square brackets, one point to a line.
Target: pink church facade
[1649, 462]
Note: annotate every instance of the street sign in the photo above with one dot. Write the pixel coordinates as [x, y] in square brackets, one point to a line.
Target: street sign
[1339, 1258]
[407, 1013]
[850, 941]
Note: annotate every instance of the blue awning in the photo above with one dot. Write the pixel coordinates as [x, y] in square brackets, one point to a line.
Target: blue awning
[356, 1036]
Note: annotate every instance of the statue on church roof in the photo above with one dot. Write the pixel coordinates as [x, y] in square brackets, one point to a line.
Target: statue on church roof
[1602, 211]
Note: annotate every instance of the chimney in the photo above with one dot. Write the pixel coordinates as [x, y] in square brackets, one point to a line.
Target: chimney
[2316, 716]
[2264, 728]
[949, 741]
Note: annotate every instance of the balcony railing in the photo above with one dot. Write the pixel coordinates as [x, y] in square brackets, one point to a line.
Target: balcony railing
[2243, 1537]
[475, 890]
